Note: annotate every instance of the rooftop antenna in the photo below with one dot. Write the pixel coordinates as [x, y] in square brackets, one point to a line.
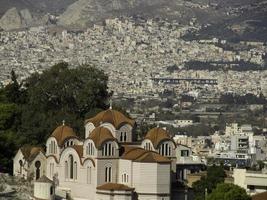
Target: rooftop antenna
[110, 104]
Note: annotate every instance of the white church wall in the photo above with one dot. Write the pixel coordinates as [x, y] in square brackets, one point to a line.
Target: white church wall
[42, 170]
[79, 187]
[125, 167]
[51, 167]
[17, 169]
[101, 196]
[101, 164]
[43, 191]
[145, 178]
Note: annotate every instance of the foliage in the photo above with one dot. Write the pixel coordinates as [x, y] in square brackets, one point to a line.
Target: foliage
[29, 112]
[245, 99]
[215, 175]
[196, 130]
[227, 191]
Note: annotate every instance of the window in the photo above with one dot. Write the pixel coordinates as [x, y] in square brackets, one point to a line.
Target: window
[52, 147]
[90, 149]
[37, 169]
[108, 150]
[66, 170]
[124, 178]
[71, 166]
[75, 170]
[184, 153]
[108, 174]
[123, 136]
[20, 166]
[51, 190]
[148, 146]
[165, 149]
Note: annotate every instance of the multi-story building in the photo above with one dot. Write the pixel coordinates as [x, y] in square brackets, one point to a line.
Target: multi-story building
[252, 181]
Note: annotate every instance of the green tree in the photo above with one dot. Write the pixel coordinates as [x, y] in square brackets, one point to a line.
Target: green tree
[215, 175]
[8, 112]
[227, 191]
[61, 93]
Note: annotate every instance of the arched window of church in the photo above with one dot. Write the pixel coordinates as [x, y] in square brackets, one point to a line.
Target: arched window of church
[71, 167]
[121, 137]
[20, 166]
[66, 170]
[55, 148]
[125, 136]
[51, 190]
[75, 170]
[124, 178]
[37, 169]
[89, 175]
[108, 174]
[109, 149]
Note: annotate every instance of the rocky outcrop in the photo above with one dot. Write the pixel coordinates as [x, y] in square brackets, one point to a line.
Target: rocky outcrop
[85, 12]
[11, 20]
[14, 19]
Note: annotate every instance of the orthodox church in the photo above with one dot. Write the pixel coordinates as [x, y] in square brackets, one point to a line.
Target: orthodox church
[107, 164]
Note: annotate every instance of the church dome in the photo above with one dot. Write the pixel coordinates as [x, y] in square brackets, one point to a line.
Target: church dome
[99, 135]
[157, 135]
[63, 132]
[116, 118]
[138, 154]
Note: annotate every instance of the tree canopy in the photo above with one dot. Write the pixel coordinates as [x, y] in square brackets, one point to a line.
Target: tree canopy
[31, 110]
[215, 175]
[227, 191]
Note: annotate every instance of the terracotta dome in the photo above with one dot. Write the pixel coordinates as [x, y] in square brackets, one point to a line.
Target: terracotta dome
[157, 135]
[99, 135]
[63, 132]
[138, 154]
[116, 118]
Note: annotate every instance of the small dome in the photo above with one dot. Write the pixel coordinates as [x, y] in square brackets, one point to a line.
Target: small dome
[99, 135]
[138, 154]
[114, 186]
[116, 118]
[63, 132]
[157, 135]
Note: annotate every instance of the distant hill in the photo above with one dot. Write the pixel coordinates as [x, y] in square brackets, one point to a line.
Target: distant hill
[249, 23]
[227, 19]
[42, 6]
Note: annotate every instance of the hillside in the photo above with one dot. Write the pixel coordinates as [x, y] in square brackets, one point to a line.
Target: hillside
[36, 6]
